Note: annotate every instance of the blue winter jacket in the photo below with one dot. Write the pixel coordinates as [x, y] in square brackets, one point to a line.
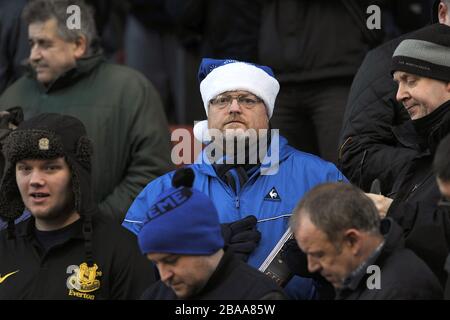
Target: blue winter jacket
[271, 198]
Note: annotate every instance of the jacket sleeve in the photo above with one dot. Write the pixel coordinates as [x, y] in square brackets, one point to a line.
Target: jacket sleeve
[368, 146]
[149, 141]
[427, 231]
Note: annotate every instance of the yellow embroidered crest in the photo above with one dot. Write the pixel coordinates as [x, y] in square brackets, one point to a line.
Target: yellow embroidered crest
[83, 278]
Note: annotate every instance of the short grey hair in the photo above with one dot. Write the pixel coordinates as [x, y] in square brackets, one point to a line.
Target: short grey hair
[335, 207]
[40, 11]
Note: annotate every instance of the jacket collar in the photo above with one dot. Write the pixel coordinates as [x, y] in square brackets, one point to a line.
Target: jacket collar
[27, 229]
[393, 240]
[429, 138]
[83, 66]
[225, 264]
[203, 164]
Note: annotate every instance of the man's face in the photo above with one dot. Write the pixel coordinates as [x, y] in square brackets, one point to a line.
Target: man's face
[185, 274]
[333, 263]
[236, 116]
[45, 187]
[419, 95]
[50, 55]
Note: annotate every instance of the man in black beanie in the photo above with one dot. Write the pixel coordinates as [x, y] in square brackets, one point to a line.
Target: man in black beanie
[65, 250]
[421, 67]
[372, 144]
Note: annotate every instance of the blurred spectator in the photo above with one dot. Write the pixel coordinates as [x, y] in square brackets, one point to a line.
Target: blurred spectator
[121, 110]
[315, 48]
[14, 47]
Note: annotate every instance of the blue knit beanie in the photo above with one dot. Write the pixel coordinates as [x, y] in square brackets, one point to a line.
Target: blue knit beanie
[182, 221]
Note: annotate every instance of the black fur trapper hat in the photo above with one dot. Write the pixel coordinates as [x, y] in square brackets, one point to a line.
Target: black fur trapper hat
[50, 136]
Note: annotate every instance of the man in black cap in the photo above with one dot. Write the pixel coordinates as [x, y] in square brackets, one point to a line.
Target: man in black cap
[65, 250]
[421, 67]
[372, 142]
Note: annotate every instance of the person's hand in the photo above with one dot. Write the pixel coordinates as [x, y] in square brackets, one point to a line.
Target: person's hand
[381, 202]
[295, 259]
[241, 236]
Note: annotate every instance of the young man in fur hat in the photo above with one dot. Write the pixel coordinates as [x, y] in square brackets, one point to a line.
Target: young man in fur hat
[254, 198]
[183, 238]
[65, 250]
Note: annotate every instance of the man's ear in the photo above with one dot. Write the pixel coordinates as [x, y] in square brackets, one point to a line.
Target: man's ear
[80, 46]
[443, 13]
[352, 239]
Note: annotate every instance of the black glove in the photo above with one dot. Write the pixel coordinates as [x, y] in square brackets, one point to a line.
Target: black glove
[241, 236]
[297, 261]
[295, 258]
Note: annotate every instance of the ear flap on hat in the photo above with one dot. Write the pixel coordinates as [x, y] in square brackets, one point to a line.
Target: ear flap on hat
[81, 182]
[11, 204]
[84, 152]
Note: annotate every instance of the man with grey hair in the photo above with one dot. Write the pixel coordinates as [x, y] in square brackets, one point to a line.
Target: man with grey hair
[338, 228]
[121, 110]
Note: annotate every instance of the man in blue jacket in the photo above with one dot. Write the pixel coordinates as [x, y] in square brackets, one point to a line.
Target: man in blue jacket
[239, 98]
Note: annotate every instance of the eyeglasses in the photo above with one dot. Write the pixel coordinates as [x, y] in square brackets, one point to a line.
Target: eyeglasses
[245, 101]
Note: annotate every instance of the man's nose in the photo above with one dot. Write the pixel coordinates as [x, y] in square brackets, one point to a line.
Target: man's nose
[402, 93]
[234, 106]
[36, 179]
[313, 266]
[165, 273]
[35, 53]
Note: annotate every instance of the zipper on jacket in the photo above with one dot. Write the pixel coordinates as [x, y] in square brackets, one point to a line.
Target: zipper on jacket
[236, 201]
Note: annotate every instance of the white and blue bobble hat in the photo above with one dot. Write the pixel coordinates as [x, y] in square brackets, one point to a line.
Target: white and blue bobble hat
[218, 76]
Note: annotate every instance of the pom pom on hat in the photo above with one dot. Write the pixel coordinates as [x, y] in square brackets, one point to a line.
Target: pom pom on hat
[182, 220]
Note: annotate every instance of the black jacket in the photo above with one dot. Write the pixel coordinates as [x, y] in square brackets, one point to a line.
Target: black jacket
[447, 286]
[14, 48]
[28, 272]
[232, 280]
[303, 40]
[225, 29]
[372, 141]
[415, 207]
[403, 275]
